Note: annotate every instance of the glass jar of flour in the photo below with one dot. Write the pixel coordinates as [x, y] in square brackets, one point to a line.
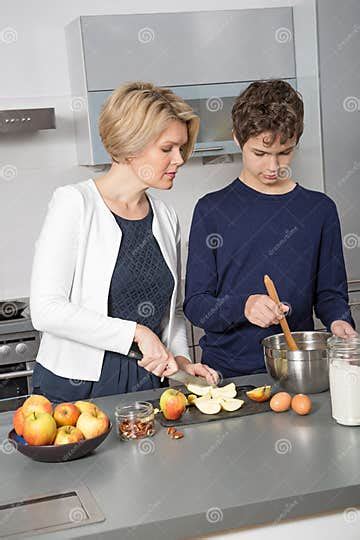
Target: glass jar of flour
[344, 375]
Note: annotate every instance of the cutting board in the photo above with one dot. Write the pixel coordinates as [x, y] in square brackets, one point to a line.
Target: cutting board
[192, 415]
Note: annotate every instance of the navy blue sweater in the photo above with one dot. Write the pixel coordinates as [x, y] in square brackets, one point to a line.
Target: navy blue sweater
[237, 236]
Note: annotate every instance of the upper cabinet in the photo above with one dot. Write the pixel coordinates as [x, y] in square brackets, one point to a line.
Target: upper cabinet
[187, 50]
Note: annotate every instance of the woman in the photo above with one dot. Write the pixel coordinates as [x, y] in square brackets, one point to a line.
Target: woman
[106, 271]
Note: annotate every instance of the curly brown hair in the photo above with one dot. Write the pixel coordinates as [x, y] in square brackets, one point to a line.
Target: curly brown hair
[268, 106]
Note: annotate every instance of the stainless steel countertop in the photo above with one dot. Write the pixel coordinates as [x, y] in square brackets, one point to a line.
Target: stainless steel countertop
[235, 473]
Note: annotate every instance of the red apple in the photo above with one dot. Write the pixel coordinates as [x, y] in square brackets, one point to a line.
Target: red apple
[172, 403]
[66, 414]
[39, 428]
[36, 403]
[67, 435]
[93, 423]
[18, 421]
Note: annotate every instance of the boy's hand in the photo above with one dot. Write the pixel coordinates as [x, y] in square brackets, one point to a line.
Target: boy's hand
[261, 310]
[343, 329]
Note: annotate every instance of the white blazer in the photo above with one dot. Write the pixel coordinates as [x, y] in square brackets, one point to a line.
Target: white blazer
[74, 260]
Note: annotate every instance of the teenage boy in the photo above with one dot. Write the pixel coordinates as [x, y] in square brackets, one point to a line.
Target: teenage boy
[264, 223]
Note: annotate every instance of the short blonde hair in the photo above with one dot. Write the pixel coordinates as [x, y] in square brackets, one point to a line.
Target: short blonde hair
[137, 113]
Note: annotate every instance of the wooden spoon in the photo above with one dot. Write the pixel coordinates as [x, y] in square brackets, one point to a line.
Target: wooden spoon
[272, 292]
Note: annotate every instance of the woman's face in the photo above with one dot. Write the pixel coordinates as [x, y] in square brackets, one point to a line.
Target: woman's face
[157, 165]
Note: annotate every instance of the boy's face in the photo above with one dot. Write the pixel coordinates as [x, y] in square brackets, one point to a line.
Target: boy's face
[268, 165]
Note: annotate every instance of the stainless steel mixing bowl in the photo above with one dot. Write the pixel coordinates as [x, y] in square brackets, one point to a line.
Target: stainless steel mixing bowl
[305, 371]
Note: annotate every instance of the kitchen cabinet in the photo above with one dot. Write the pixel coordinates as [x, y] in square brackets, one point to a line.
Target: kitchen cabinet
[339, 67]
[191, 48]
[200, 55]
[354, 302]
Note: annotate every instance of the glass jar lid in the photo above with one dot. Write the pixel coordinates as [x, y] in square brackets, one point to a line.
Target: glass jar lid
[344, 345]
[137, 409]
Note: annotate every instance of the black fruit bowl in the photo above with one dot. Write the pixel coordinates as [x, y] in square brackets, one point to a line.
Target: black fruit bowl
[57, 454]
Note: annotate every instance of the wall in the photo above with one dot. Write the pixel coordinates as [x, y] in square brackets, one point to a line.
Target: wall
[33, 57]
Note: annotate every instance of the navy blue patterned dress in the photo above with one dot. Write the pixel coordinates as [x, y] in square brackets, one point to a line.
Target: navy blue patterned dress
[140, 290]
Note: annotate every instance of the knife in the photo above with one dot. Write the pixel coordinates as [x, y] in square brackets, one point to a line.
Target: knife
[180, 376]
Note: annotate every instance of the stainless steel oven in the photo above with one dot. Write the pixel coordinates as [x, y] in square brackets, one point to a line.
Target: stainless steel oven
[19, 343]
[17, 359]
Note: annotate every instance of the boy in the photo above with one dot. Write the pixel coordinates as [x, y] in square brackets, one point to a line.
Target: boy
[264, 223]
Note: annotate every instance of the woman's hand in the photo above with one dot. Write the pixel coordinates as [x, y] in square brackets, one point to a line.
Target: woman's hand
[261, 310]
[343, 329]
[199, 370]
[156, 358]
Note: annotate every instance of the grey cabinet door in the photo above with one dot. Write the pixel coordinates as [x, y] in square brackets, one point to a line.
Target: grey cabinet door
[188, 48]
[339, 64]
[354, 302]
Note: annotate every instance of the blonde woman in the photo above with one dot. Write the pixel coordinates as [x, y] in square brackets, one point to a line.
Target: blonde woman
[106, 270]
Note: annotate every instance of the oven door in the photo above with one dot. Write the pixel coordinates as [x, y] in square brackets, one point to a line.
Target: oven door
[16, 379]
[15, 385]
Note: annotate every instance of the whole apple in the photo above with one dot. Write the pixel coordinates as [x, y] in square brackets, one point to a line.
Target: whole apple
[85, 406]
[172, 403]
[93, 423]
[18, 421]
[67, 435]
[39, 428]
[66, 414]
[36, 403]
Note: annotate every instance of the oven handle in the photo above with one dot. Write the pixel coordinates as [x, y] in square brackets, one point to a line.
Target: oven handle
[16, 374]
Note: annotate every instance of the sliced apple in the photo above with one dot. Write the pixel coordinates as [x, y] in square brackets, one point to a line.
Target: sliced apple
[198, 389]
[231, 405]
[208, 405]
[262, 393]
[224, 392]
[202, 398]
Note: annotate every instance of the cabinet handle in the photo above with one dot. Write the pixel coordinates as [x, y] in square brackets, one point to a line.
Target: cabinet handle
[208, 149]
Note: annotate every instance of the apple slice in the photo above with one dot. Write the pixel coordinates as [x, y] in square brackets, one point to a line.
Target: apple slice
[231, 405]
[224, 392]
[202, 398]
[198, 389]
[208, 405]
[262, 393]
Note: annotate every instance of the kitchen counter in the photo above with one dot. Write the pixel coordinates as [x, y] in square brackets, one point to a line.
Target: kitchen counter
[240, 472]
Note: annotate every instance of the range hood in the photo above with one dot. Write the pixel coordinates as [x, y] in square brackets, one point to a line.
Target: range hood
[26, 120]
